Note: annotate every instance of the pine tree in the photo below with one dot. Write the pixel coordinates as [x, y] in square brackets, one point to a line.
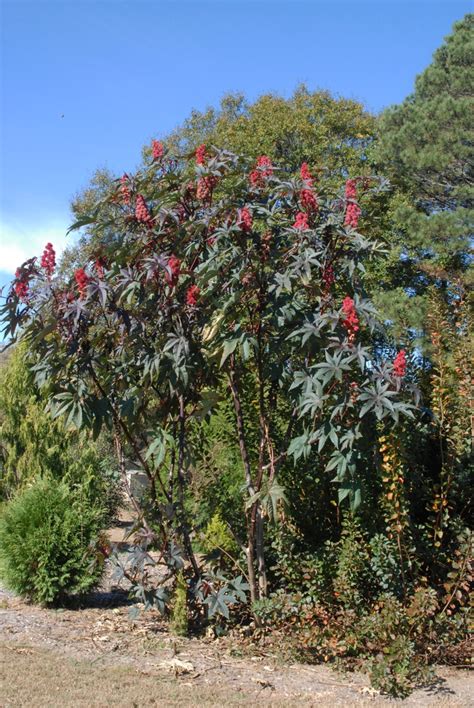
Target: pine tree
[426, 147]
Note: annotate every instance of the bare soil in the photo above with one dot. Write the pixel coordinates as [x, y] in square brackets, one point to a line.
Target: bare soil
[97, 656]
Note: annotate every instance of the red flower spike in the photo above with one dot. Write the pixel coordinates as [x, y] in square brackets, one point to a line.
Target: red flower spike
[192, 295]
[301, 221]
[400, 364]
[201, 154]
[245, 220]
[48, 259]
[158, 149]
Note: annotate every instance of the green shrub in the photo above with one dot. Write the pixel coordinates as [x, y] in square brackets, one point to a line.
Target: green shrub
[179, 613]
[46, 532]
[217, 536]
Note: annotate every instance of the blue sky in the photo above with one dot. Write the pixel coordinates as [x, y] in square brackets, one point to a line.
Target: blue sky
[85, 83]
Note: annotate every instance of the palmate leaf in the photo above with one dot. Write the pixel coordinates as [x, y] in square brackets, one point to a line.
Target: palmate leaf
[240, 588]
[156, 450]
[269, 497]
[218, 602]
[301, 446]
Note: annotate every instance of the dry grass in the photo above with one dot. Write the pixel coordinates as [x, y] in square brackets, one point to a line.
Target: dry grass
[38, 677]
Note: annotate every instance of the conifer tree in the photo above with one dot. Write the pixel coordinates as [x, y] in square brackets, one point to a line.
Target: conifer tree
[426, 148]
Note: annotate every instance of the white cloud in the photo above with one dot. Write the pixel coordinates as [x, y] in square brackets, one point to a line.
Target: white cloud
[19, 241]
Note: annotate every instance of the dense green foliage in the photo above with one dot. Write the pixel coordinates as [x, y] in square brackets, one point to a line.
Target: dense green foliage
[425, 147]
[33, 445]
[46, 533]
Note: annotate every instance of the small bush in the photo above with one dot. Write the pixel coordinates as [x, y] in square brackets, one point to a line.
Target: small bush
[217, 536]
[179, 616]
[46, 532]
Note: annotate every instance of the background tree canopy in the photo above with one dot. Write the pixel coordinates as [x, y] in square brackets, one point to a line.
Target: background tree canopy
[426, 147]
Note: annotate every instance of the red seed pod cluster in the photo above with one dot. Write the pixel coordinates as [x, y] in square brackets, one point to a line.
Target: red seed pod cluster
[124, 189]
[205, 187]
[174, 265]
[157, 149]
[306, 175]
[351, 189]
[263, 169]
[400, 364]
[141, 211]
[350, 321]
[352, 217]
[301, 221]
[328, 277]
[99, 266]
[21, 286]
[82, 281]
[48, 259]
[201, 155]
[192, 295]
[353, 210]
[308, 200]
[353, 391]
[245, 220]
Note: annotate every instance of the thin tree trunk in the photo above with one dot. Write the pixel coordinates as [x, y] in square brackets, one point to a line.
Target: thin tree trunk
[181, 484]
[251, 527]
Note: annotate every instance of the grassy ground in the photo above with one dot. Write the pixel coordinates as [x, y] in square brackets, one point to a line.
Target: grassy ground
[36, 677]
[95, 656]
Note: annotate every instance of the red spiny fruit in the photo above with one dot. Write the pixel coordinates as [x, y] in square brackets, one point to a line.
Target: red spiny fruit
[48, 259]
[82, 281]
[245, 220]
[265, 165]
[400, 364]
[352, 209]
[22, 284]
[328, 276]
[306, 175]
[157, 149]
[141, 210]
[201, 154]
[351, 321]
[352, 216]
[21, 289]
[205, 187]
[353, 391]
[99, 266]
[264, 169]
[308, 200]
[124, 189]
[301, 221]
[192, 295]
[351, 189]
[174, 266]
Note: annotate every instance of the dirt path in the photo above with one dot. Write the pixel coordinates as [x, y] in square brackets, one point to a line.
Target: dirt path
[98, 657]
